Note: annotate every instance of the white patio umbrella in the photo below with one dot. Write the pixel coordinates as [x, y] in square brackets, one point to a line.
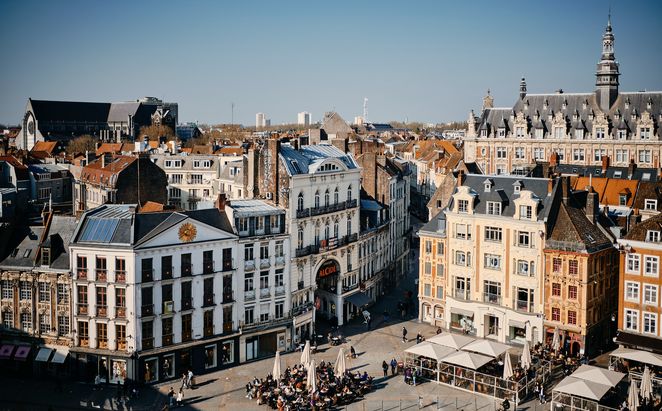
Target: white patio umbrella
[526, 356]
[340, 366]
[311, 382]
[646, 389]
[305, 354]
[633, 396]
[507, 366]
[556, 340]
[276, 370]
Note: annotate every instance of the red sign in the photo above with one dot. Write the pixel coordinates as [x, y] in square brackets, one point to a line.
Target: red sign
[328, 268]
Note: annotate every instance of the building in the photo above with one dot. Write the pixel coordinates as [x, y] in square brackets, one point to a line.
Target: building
[303, 118]
[35, 281]
[14, 187]
[46, 120]
[581, 272]
[581, 128]
[50, 184]
[261, 120]
[119, 180]
[231, 180]
[264, 299]
[153, 293]
[187, 131]
[639, 287]
[191, 179]
[495, 229]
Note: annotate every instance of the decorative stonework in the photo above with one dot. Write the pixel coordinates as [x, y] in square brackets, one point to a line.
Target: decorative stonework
[187, 232]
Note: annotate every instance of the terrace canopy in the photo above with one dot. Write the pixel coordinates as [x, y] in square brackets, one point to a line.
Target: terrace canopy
[430, 350]
[598, 375]
[467, 359]
[486, 347]
[581, 388]
[455, 341]
[637, 355]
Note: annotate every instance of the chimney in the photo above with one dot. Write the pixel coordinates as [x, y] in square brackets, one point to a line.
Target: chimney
[631, 168]
[592, 205]
[550, 185]
[605, 164]
[522, 89]
[565, 188]
[295, 143]
[103, 160]
[554, 160]
[221, 202]
[460, 178]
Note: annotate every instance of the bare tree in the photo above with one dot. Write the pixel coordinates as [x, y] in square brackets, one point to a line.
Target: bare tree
[155, 132]
[82, 144]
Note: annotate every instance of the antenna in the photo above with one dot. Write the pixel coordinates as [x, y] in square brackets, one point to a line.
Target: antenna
[232, 121]
[365, 109]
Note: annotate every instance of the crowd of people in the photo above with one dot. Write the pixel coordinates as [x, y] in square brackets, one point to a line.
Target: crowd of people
[290, 391]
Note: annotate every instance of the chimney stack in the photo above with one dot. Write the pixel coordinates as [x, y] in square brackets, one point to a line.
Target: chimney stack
[550, 185]
[631, 168]
[565, 187]
[221, 202]
[605, 164]
[554, 159]
[592, 205]
[460, 178]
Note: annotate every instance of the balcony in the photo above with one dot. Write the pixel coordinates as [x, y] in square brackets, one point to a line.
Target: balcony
[120, 312]
[102, 275]
[147, 275]
[228, 297]
[166, 272]
[301, 309]
[303, 213]
[280, 261]
[350, 287]
[147, 310]
[187, 303]
[209, 331]
[249, 295]
[186, 270]
[207, 300]
[148, 343]
[81, 273]
[492, 298]
[167, 339]
[84, 341]
[462, 294]
[265, 292]
[120, 276]
[280, 290]
[207, 267]
[265, 263]
[269, 322]
[82, 309]
[227, 265]
[102, 311]
[351, 203]
[186, 335]
[249, 265]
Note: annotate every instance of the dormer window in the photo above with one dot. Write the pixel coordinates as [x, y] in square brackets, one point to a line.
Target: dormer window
[519, 132]
[645, 133]
[579, 134]
[525, 212]
[501, 132]
[483, 133]
[599, 133]
[622, 134]
[650, 204]
[46, 256]
[653, 236]
[622, 199]
[517, 186]
[487, 185]
[493, 208]
[201, 163]
[173, 163]
[463, 206]
[539, 133]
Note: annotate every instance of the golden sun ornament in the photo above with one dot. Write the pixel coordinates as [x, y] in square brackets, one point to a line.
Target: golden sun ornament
[187, 232]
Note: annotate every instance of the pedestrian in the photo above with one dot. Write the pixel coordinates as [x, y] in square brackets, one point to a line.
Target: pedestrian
[541, 392]
[369, 322]
[404, 334]
[419, 338]
[171, 397]
[189, 382]
[385, 368]
[180, 398]
[352, 351]
[394, 366]
[184, 378]
[438, 330]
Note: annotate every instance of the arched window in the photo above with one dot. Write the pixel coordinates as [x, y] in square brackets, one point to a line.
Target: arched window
[317, 199]
[335, 230]
[317, 236]
[300, 202]
[335, 196]
[326, 232]
[349, 193]
[349, 227]
[326, 198]
[300, 238]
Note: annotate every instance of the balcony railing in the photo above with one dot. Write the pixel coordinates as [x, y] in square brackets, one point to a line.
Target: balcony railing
[102, 275]
[264, 263]
[249, 295]
[120, 312]
[270, 321]
[462, 294]
[347, 288]
[280, 290]
[228, 264]
[166, 272]
[167, 339]
[186, 270]
[207, 267]
[147, 275]
[187, 303]
[301, 309]
[147, 310]
[102, 311]
[303, 213]
[82, 273]
[280, 260]
[82, 309]
[207, 300]
[186, 335]
[249, 265]
[84, 341]
[265, 292]
[120, 276]
[492, 298]
[148, 343]
[121, 344]
[209, 331]
[228, 297]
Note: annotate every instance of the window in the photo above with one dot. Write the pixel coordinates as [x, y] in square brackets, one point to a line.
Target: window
[173, 163]
[264, 251]
[279, 249]
[650, 294]
[631, 319]
[632, 263]
[201, 163]
[519, 132]
[463, 231]
[25, 290]
[539, 133]
[501, 152]
[632, 291]
[572, 292]
[539, 153]
[460, 258]
[650, 323]
[560, 153]
[556, 265]
[523, 239]
[428, 246]
[556, 289]
[44, 323]
[501, 132]
[259, 223]
[650, 204]
[440, 270]
[493, 234]
[176, 179]
[572, 317]
[578, 154]
[8, 319]
[598, 154]
[440, 248]
[653, 236]
[427, 268]
[248, 252]
[622, 199]
[622, 156]
[26, 322]
[525, 212]
[44, 292]
[249, 313]
[463, 206]
[492, 261]
[264, 279]
[7, 289]
[427, 290]
[573, 267]
[599, 133]
[326, 198]
[62, 294]
[63, 324]
[556, 314]
[242, 225]
[645, 133]
[523, 267]
[196, 179]
[579, 134]
[651, 265]
[644, 156]
[493, 208]
[519, 153]
[622, 134]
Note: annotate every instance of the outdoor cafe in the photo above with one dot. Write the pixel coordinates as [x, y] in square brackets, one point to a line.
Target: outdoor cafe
[483, 367]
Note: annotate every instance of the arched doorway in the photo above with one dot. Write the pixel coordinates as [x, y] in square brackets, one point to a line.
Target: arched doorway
[327, 278]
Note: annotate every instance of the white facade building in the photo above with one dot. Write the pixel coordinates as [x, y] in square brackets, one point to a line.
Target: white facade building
[191, 179]
[303, 118]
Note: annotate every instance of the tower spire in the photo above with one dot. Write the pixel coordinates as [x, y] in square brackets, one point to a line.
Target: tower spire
[607, 73]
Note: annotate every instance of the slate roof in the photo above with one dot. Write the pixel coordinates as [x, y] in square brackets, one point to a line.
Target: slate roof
[95, 174]
[503, 190]
[639, 231]
[642, 174]
[436, 225]
[48, 110]
[648, 190]
[573, 226]
[308, 158]
[62, 227]
[22, 257]
[245, 208]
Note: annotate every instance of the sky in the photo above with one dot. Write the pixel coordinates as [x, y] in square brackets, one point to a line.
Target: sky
[429, 61]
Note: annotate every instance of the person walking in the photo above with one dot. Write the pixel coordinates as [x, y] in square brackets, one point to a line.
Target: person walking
[394, 366]
[189, 382]
[352, 351]
[184, 378]
[404, 334]
[171, 397]
[385, 368]
[180, 398]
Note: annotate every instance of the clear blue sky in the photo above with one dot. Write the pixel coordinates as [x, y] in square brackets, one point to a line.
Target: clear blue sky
[426, 61]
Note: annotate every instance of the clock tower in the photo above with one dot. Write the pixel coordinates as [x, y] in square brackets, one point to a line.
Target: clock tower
[607, 72]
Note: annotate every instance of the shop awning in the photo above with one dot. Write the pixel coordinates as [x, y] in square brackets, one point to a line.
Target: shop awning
[60, 355]
[638, 355]
[516, 324]
[22, 352]
[44, 354]
[358, 299]
[461, 311]
[638, 341]
[5, 351]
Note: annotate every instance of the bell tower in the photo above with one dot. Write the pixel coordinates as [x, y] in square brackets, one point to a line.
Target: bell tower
[606, 83]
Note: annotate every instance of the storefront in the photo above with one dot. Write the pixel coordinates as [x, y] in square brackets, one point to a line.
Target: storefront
[327, 279]
[264, 344]
[101, 366]
[462, 320]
